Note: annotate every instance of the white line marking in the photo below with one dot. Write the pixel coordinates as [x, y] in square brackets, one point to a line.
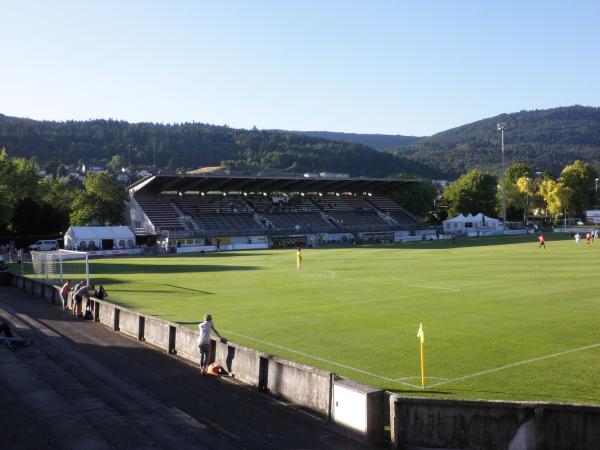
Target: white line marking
[433, 287]
[520, 363]
[354, 369]
[332, 274]
[418, 378]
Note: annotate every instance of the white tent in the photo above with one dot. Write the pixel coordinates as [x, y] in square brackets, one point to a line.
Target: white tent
[96, 238]
[469, 224]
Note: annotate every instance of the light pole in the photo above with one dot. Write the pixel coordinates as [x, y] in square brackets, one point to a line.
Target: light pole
[501, 127]
[597, 192]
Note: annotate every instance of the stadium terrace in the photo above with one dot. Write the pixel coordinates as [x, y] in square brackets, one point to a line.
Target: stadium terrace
[256, 212]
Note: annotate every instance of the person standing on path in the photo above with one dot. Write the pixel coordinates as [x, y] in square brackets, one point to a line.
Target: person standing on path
[204, 341]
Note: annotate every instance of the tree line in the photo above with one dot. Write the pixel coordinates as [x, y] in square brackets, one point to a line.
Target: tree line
[545, 140]
[32, 204]
[186, 146]
[527, 196]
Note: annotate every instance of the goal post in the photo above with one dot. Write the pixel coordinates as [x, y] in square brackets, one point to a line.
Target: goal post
[60, 265]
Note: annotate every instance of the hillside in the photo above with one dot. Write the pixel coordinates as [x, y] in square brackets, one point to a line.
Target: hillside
[544, 139]
[185, 146]
[376, 141]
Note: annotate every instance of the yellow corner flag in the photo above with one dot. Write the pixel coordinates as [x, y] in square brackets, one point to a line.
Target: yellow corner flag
[421, 336]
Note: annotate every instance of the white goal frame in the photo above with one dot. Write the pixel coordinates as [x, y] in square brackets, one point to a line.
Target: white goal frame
[51, 264]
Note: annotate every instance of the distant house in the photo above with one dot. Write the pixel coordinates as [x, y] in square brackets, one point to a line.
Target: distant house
[144, 173]
[123, 177]
[333, 175]
[95, 169]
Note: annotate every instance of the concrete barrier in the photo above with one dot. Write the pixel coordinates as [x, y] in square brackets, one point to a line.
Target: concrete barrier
[157, 333]
[242, 363]
[480, 424]
[569, 426]
[28, 285]
[129, 323]
[359, 408]
[303, 385]
[108, 315]
[186, 344]
[5, 279]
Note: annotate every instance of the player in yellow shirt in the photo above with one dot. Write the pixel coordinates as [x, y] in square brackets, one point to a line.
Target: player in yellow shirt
[298, 259]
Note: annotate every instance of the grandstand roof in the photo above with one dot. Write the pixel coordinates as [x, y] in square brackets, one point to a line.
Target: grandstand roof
[205, 183]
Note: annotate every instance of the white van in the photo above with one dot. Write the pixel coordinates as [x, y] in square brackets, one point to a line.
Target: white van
[44, 245]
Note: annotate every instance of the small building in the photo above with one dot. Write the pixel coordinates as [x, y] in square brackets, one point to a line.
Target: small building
[99, 238]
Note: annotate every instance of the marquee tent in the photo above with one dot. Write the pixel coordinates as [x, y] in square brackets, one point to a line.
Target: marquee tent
[96, 238]
[468, 224]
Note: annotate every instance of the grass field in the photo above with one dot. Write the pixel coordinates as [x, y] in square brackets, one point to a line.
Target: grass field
[502, 319]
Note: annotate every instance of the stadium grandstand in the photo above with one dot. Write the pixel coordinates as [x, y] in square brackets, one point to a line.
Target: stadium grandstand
[283, 211]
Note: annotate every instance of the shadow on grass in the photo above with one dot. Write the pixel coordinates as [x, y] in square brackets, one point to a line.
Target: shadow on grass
[137, 268]
[153, 288]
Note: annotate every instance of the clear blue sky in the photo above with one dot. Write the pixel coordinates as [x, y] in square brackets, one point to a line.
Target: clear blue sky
[393, 67]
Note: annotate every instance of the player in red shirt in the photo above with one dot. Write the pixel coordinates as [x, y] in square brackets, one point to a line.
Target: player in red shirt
[588, 238]
[541, 241]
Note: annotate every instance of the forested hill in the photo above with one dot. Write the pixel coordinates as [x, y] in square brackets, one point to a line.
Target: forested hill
[376, 141]
[191, 145]
[543, 139]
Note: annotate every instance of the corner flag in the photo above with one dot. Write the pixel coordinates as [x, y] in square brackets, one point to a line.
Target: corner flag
[421, 336]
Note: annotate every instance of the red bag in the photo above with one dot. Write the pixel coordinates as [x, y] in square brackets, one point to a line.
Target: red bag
[214, 369]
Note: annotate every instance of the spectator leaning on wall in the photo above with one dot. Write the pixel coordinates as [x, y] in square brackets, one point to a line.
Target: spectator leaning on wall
[204, 341]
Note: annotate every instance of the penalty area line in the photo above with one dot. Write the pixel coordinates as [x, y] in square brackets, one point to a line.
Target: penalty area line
[317, 358]
[519, 363]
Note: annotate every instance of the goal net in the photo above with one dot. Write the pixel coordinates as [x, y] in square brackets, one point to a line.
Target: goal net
[60, 265]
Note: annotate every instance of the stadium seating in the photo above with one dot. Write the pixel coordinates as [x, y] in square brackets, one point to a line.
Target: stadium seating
[161, 212]
[396, 212]
[257, 213]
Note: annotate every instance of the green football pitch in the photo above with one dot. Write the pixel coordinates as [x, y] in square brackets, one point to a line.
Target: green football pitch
[502, 318]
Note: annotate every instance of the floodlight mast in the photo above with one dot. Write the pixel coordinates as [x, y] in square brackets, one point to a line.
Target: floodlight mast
[501, 126]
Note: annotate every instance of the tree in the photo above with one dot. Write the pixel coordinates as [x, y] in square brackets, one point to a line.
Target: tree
[472, 193]
[418, 198]
[556, 195]
[580, 177]
[115, 164]
[527, 187]
[19, 179]
[516, 171]
[515, 200]
[100, 202]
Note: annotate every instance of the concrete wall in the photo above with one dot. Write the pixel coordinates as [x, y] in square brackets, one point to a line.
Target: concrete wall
[569, 426]
[156, 332]
[241, 362]
[478, 424]
[186, 344]
[107, 314]
[129, 323]
[300, 384]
